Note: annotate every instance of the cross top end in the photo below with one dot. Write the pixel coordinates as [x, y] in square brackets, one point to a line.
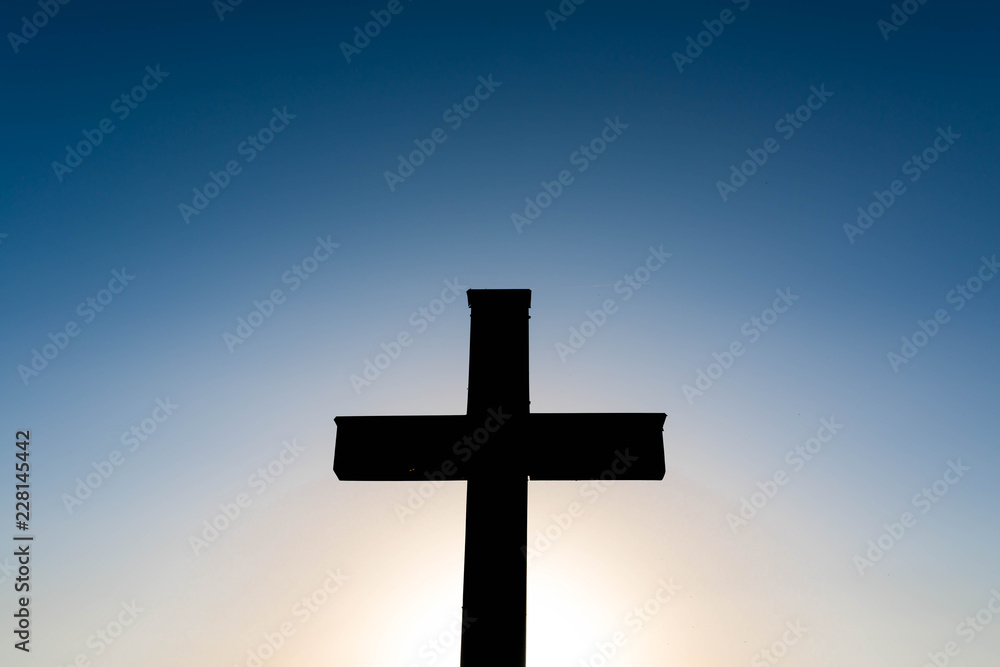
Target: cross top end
[499, 298]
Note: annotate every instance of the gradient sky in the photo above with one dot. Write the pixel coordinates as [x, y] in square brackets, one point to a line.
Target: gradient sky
[163, 336]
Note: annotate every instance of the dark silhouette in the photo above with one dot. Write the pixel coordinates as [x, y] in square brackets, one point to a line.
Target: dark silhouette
[496, 446]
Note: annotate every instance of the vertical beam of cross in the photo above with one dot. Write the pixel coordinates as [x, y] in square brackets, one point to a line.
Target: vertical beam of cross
[496, 515]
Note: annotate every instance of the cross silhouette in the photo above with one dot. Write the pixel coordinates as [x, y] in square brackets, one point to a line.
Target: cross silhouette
[496, 446]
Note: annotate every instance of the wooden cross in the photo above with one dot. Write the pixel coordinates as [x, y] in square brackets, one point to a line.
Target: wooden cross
[496, 446]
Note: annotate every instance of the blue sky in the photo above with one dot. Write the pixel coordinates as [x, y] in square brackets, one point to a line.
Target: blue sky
[356, 254]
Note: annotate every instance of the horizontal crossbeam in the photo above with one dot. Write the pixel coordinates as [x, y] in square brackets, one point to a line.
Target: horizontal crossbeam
[556, 446]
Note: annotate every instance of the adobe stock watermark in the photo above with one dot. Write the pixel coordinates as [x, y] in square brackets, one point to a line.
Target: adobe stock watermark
[713, 28]
[635, 620]
[420, 320]
[593, 491]
[104, 637]
[381, 18]
[38, 20]
[463, 450]
[924, 500]
[914, 168]
[303, 610]
[131, 440]
[293, 277]
[581, 158]
[796, 458]
[786, 126]
[122, 106]
[434, 648]
[454, 115]
[900, 14]
[627, 286]
[970, 628]
[959, 297]
[88, 309]
[562, 12]
[780, 647]
[252, 146]
[259, 481]
[752, 329]
[223, 7]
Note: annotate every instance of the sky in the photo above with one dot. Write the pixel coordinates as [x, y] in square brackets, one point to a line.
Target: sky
[773, 221]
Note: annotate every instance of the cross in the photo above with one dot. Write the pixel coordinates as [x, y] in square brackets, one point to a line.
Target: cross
[496, 446]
